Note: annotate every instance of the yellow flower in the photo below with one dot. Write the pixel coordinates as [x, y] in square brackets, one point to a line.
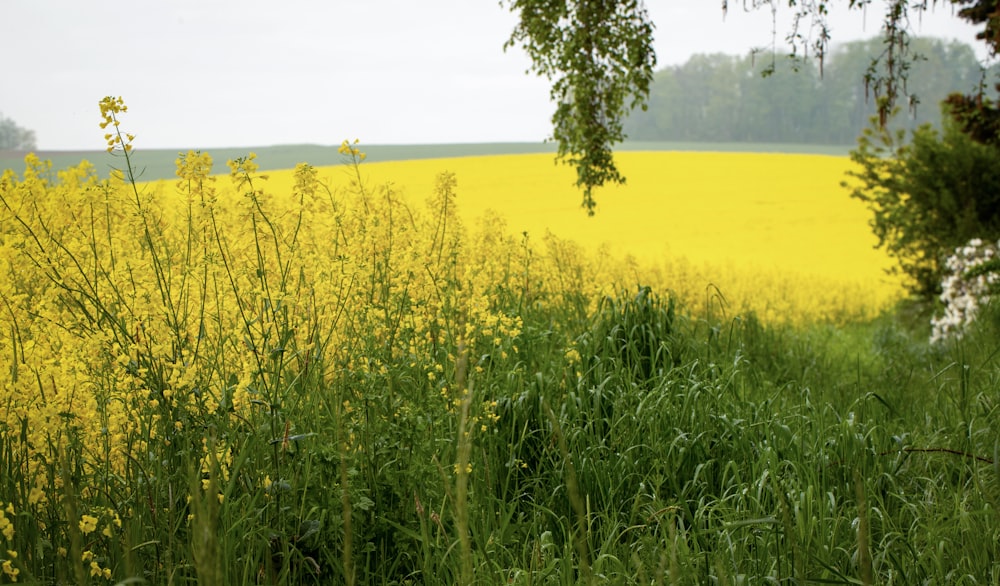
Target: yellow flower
[36, 495]
[9, 569]
[88, 524]
[6, 528]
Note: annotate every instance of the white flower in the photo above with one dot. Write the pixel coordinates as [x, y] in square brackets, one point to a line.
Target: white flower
[962, 296]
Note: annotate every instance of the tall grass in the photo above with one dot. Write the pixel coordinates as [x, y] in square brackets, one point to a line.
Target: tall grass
[343, 387]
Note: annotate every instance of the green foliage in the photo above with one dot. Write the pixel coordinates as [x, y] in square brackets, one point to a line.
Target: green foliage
[599, 56]
[634, 334]
[982, 12]
[927, 196]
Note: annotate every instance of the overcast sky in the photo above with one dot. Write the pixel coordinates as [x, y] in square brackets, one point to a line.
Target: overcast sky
[213, 73]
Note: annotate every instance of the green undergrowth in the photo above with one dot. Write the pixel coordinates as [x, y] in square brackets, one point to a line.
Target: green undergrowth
[685, 451]
[636, 444]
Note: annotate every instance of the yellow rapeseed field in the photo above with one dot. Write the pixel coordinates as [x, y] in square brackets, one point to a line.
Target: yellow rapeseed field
[774, 233]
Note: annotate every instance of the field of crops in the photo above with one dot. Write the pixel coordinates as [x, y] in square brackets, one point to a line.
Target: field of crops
[443, 371]
[775, 233]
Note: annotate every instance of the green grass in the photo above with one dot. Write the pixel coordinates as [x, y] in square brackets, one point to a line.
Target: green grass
[159, 163]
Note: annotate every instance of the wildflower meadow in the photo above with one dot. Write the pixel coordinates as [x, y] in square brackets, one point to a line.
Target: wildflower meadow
[353, 375]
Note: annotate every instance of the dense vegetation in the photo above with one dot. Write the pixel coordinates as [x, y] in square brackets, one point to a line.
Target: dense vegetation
[724, 98]
[930, 192]
[220, 392]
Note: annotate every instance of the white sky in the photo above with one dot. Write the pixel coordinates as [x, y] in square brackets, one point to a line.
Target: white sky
[214, 73]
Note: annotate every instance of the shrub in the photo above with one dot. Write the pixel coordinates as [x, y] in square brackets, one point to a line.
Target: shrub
[928, 196]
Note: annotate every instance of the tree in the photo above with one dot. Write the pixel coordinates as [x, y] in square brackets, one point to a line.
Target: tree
[985, 13]
[599, 56]
[725, 98]
[928, 195]
[976, 115]
[14, 137]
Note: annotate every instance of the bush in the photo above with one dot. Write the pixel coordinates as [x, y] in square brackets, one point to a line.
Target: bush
[928, 196]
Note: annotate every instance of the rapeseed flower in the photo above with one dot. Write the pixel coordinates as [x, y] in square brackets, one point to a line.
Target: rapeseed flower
[6, 526]
[36, 495]
[87, 524]
[8, 568]
[110, 109]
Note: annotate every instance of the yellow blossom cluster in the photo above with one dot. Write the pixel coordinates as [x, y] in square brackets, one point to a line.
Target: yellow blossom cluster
[350, 149]
[7, 566]
[140, 310]
[88, 524]
[94, 568]
[111, 108]
[7, 531]
[6, 525]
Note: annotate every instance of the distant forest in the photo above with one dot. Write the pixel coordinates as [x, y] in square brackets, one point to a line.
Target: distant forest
[725, 98]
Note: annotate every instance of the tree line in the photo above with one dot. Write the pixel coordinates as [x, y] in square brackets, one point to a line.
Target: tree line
[765, 98]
